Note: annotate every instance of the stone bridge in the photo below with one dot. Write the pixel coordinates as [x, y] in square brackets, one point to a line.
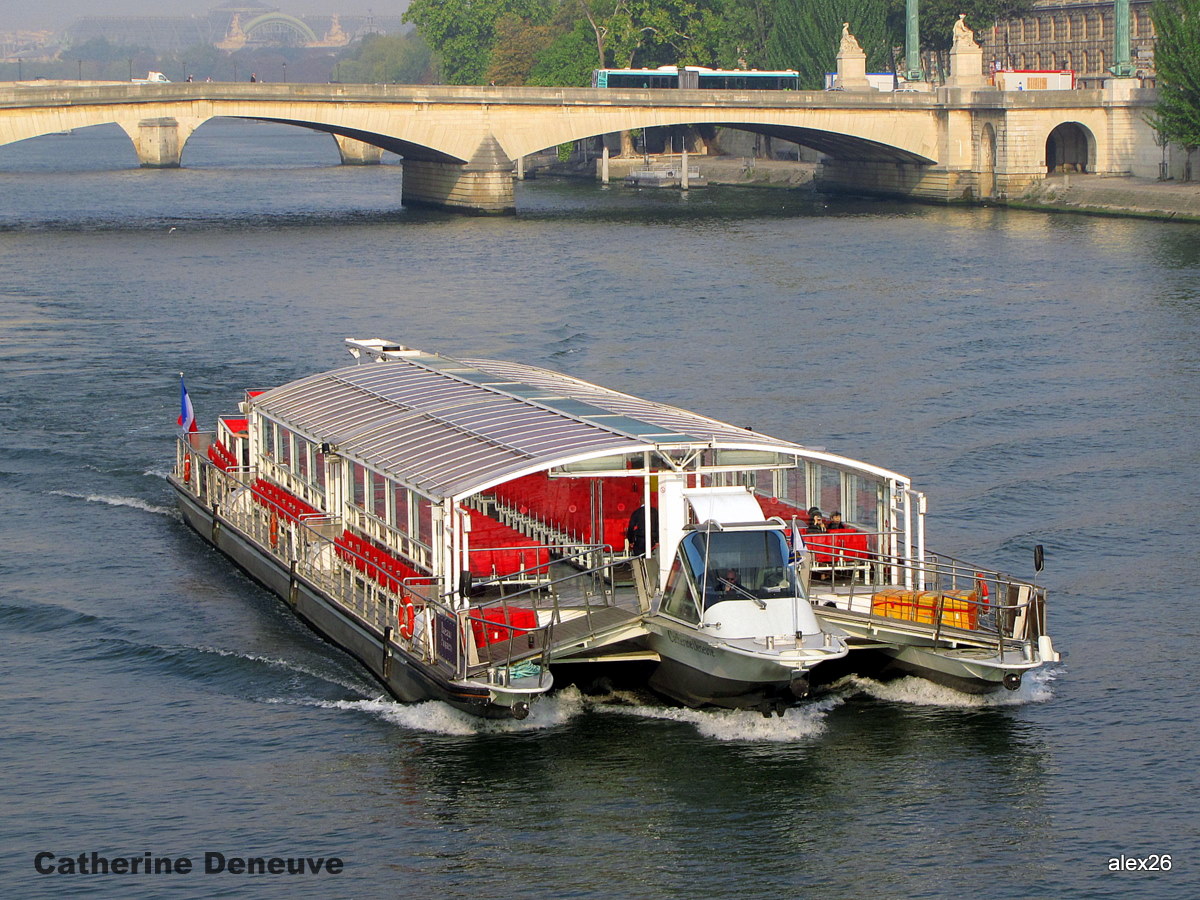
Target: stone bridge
[460, 144]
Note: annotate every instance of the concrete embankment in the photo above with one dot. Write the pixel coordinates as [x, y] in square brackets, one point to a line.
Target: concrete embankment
[1094, 194]
[725, 170]
[1115, 196]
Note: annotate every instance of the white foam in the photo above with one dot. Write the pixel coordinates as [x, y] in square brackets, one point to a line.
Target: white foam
[440, 718]
[1035, 688]
[132, 502]
[797, 723]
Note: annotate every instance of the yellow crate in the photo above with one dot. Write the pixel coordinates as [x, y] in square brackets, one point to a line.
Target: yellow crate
[959, 608]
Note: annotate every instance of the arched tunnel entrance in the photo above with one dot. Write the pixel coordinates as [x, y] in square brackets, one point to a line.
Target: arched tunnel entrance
[1070, 148]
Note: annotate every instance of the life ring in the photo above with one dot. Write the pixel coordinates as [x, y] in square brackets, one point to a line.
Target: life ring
[274, 528]
[981, 587]
[406, 617]
[187, 468]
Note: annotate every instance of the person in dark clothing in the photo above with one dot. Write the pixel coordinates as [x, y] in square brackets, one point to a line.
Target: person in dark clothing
[835, 522]
[635, 533]
[816, 524]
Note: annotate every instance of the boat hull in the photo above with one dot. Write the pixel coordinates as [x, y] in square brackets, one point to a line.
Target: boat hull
[405, 678]
[697, 673]
[883, 650]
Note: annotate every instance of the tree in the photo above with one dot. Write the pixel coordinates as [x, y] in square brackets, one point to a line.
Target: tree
[517, 49]
[463, 32]
[1177, 63]
[805, 36]
[569, 59]
[388, 59]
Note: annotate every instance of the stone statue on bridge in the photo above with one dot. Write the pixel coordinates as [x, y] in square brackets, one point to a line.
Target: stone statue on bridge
[849, 41]
[851, 64]
[966, 58]
[964, 37]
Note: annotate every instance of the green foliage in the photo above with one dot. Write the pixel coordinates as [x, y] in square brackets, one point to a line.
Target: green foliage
[1177, 63]
[565, 150]
[517, 48]
[388, 59]
[568, 60]
[806, 33]
[463, 32]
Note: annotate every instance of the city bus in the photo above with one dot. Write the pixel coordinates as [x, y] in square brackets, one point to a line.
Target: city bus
[697, 78]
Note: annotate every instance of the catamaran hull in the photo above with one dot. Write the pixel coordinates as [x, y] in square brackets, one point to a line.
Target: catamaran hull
[405, 678]
[699, 673]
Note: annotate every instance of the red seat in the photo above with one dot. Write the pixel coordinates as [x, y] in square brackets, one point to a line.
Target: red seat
[494, 624]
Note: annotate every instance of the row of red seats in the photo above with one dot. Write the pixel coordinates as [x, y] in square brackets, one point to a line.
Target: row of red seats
[221, 456]
[566, 504]
[501, 623]
[497, 550]
[839, 545]
[283, 501]
[376, 564]
[845, 543]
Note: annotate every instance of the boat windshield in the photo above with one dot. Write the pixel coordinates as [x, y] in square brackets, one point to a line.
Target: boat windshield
[739, 565]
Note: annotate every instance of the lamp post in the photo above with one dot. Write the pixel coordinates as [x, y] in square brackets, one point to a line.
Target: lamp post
[80, 78]
[285, 73]
[912, 41]
[1122, 66]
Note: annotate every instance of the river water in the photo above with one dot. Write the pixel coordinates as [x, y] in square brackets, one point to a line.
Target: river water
[1036, 374]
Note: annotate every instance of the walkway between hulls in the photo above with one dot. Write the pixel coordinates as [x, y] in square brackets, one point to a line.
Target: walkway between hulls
[580, 628]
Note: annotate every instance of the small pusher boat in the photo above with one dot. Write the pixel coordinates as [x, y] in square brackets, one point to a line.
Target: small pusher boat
[471, 529]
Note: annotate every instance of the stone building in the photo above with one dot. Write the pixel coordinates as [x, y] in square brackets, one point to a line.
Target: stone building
[1070, 34]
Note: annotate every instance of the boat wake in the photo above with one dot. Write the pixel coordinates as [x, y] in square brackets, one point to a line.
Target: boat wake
[363, 688]
[132, 502]
[436, 717]
[1035, 688]
[798, 723]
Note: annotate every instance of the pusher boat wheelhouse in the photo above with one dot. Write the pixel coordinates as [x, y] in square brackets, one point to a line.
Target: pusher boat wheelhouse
[463, 527]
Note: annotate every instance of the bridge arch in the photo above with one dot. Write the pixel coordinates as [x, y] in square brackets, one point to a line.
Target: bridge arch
[269, 25]
[1070, 147]
[865, 138]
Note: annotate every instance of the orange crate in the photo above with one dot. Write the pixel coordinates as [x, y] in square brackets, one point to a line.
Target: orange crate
[959, 608]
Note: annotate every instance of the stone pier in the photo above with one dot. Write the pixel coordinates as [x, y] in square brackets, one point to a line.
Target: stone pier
[158, 142]
[483, 186]
[356, 153]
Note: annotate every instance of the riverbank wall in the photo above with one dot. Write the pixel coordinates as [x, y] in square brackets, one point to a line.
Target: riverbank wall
[1114, 196]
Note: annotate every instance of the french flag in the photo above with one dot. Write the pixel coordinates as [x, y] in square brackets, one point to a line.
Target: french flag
[187, 415]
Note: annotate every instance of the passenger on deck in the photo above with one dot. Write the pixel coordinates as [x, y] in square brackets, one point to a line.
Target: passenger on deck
[835, 522]
[816, 524]
[635, 533]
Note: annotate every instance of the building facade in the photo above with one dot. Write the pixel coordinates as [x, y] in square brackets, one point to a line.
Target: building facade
[1070, 34]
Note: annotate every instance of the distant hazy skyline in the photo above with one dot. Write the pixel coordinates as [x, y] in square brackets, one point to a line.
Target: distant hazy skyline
[22, 15]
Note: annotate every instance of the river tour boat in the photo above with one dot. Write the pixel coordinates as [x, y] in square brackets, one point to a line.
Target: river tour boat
[471, 529]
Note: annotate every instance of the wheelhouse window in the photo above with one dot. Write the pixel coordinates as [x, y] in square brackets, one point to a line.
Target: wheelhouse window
[736, 565]
[679, 599]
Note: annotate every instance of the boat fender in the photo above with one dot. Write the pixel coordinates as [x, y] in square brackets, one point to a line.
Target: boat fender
[187, 468]
[406, 617]
[1012, 680]
[274, 530]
